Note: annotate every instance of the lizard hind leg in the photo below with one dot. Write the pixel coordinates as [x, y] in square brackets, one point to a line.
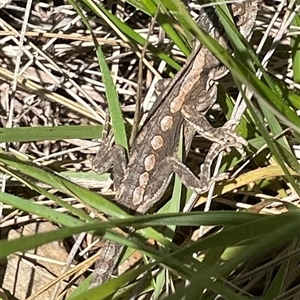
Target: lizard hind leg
[105, 145]
[109, 155]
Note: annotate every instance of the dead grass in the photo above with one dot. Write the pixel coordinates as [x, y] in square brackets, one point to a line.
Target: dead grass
[54, 50]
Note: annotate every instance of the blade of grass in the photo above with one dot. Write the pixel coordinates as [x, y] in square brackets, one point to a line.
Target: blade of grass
[131, 34]
[295, 43]
[261, 229]
[110, 90]
[42, 133]
[40, 210]
[164, 20]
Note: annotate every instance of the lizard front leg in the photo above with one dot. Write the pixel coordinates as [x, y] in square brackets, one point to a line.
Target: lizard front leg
[194, 110]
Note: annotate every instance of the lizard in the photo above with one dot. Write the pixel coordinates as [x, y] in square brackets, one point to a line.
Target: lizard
[188, 96]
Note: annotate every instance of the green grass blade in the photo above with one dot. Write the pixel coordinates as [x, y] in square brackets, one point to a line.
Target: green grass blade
[130, 33]
[42, 133]
[295, 43]
[110, 90]
[165, 21]
[40, 210]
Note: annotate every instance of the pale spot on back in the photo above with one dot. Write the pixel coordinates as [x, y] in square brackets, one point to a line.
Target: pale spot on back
[138, 195]
[149, 162]
[166, 123]
[144, 179]
[157, 142]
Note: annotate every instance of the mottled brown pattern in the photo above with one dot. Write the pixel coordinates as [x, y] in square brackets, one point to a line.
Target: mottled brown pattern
[184, 102]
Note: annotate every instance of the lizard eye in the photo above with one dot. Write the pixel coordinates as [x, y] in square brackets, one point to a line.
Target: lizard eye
[237, 19]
